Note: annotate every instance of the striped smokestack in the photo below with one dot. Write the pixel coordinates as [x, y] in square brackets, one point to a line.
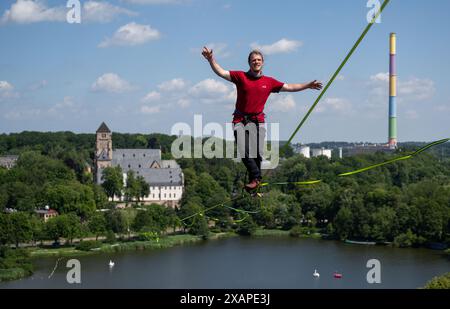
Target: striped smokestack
[392, 93]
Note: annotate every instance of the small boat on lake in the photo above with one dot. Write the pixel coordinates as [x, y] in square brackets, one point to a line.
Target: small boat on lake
[355, 242]
[337, 275]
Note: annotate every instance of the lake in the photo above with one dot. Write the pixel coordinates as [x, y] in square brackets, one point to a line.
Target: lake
[241, 263]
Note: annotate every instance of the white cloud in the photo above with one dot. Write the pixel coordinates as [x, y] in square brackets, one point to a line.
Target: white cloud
[282, 103]
[5, 86]
[30, 11]
[96, 11]
[7, 90]
[339, 105]
[175, 84]
[111, 82]
[150, 109]
[184, 102]
[219, 50]
[212, 91]
[416, 89]
[151, 97]
[210, 87]
[409, 90]
[340, 77]
[281, 46]
[131, 34]
[380, 77]
[28, 113]
[65, 105]
[63, 109]
[178, 94]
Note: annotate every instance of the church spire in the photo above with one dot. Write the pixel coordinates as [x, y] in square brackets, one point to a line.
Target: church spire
[103, 128]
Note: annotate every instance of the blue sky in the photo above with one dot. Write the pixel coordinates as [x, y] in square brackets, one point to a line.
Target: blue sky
[136, 65]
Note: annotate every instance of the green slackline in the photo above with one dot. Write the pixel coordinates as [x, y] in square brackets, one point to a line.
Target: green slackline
[214, 206]
[310, 182]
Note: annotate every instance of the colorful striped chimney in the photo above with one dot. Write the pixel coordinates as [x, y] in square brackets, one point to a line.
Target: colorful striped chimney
[392, 93]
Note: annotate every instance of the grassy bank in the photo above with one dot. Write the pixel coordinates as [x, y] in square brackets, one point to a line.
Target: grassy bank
[14, 263]
[13, 274]
[440, 282]
[274, 232]
[163, 242]
[264, 232]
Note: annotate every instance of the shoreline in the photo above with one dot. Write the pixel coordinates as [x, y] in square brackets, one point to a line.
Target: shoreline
[134, 245]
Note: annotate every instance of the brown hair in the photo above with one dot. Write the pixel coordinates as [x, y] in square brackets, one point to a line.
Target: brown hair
[255, 52]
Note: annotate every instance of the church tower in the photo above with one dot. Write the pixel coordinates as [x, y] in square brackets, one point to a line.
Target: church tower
[103, 150]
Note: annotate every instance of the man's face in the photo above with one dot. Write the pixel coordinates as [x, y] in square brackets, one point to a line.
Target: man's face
[256, 63]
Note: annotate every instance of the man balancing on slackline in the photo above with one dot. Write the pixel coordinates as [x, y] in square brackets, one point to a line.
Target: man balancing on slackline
[253, 89]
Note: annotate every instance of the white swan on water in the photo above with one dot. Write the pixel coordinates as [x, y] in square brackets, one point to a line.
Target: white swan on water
[111, 263]
[316, 274]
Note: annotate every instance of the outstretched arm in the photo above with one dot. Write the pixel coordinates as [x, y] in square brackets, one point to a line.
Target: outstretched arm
[299, 87]
[208, 54]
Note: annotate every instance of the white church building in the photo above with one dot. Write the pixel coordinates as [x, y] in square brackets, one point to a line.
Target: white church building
[165, 177]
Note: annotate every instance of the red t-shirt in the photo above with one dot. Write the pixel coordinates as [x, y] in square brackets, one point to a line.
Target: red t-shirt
[252, 93]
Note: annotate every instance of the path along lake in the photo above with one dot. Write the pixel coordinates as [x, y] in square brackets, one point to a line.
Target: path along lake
[241, 262]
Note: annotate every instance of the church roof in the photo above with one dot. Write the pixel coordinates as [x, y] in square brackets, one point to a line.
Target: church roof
[136, 158]
[148, 163]
[103, 128]
[161, 176]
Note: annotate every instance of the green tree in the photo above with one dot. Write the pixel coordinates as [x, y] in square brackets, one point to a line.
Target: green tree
[343, 223]
[440, 282]
[66, 225]
[5, 229]
[207, 187]
[144, 188]
[34, 168]
[100, 197]
[21, 230]
[70, 197]
[132, 187]
[194, 213]
[112, 181]
[116, 222]
[54, 228]
[20, 196]
[383, 224]
[97, 224]
[71, 226]
[246, 227]
[317, 199]
[310, 219]
[37, 229]
[143, 220]
[407, 239]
